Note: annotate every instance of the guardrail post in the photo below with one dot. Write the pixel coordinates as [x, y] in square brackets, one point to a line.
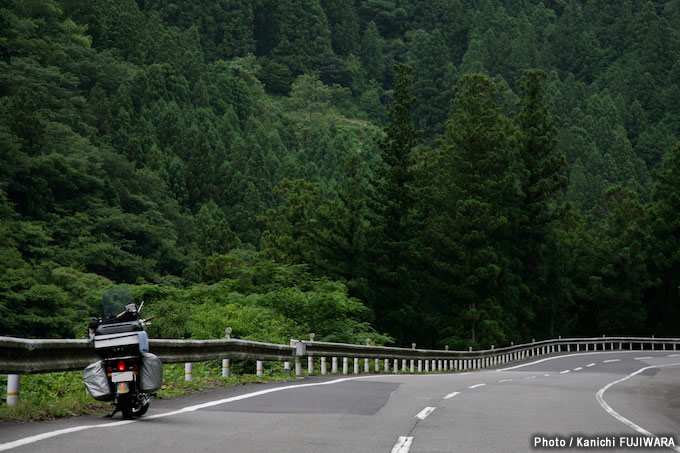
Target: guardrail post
[367, 368]
[225, 362]
[420, 365]
[413, 366]
[345, 365]
[13, 384]
[324, 371]
[286, 367]
[334, 366]
[188, 371]
[300, 350]
[427, 366]
[387, 365]
[403, 365]
[356, 365]
[396, 366]
[310, 359]
[259, 368]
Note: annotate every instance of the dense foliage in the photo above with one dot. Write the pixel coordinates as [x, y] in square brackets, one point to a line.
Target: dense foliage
[446, 172]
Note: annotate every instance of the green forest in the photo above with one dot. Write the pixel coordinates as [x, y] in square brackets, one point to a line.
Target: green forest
[449, 172]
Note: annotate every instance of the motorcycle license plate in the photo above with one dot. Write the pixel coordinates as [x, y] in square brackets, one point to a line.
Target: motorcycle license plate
[121, 377]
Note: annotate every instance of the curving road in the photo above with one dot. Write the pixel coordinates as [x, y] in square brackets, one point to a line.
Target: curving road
[613, 400]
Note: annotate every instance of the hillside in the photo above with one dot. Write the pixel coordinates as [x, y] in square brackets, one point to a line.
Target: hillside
[175, 145]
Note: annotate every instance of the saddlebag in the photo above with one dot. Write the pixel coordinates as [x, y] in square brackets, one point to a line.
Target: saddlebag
[150, 373]
[97, 382]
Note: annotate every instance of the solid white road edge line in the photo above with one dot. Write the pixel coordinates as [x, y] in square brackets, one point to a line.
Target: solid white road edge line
[568, 355]
[43, 436]
[403, 444]
[425, 412]
[600, 399]
[47, 435]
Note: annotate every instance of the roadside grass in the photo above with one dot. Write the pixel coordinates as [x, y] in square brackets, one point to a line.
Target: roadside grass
[56, 395]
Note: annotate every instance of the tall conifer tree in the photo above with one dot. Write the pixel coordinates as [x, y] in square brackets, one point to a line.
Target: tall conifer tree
[473, 192]
[540, 178]
[391, 240]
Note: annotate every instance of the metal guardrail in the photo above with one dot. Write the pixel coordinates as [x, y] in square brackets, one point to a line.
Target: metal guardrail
[32, 356]
[320, 349]
[28, 356]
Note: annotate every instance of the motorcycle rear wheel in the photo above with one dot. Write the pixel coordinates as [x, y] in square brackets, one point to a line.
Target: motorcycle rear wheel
[141, 410]
[134, 406]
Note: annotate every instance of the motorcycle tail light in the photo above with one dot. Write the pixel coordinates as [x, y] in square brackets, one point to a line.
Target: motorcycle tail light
[121, 366]
[109, 369]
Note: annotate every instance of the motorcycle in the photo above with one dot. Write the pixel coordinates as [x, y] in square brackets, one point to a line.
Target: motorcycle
[127, 373]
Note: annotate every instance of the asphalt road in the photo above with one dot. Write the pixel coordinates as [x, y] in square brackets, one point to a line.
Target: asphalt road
[604, 399]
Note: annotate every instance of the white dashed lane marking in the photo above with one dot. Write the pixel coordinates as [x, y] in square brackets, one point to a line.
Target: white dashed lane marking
[403, 444]
[476, 386]
[451, 395]
[425, 412]
[611, 361]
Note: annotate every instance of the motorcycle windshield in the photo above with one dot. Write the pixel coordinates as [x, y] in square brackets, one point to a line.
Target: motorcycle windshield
[114, 301]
